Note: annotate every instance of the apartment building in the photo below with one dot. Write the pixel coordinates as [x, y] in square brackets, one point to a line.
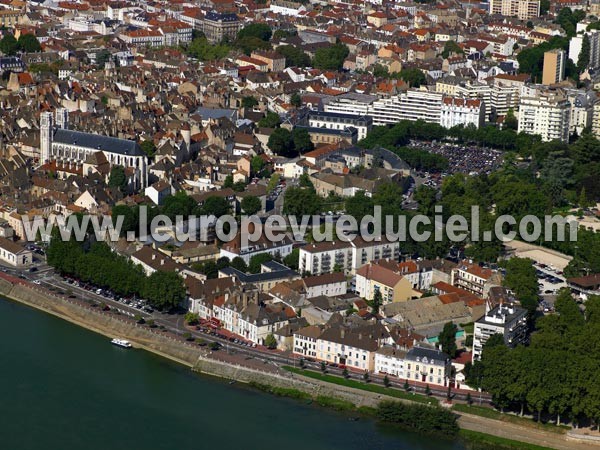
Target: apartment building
[523, 9]
[582, 109]
[349, 103]
[576, 43]
[352, 347]
[471, 277]
[305, 340]
[462, 111]
[546, 113]
[322, 257]
[506, 319]
[390, 361]
[554, 66]
[339, 121]
[413, 104]
[427, 365]
[392, 286]
[218, 26]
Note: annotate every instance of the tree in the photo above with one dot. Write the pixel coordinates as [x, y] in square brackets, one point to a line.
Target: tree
[294, 56]
[406, 386]
[251, 205]
[257, 30]
[331, 58]
[427, 390]
[583, 60]
[413, 76]
[447, 339]
[302, 142]
[345, 373]
[164, 290]
[522, 280]
[386, 381]
[281, 143]
[148, 147]
[257, 260]
[451, 47]
[239, 264]
[273, 182]
[323, 367]
[299, 201]
[203, 50]
[130, 219]
[271, 120]
[296, 100]
[9, 45]
[117, 178]
[29, 43]
[191, 318]
[217, 206]
[376, 302]
[510, 121]
[271, 342]
[366, 377]
[249, 102]
[293, 259]
[257, 164]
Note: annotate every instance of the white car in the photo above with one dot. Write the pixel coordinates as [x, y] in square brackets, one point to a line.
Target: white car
[37, 282]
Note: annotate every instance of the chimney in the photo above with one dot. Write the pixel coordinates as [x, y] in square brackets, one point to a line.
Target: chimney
[162, 262]
[342, 333]
[153, 256]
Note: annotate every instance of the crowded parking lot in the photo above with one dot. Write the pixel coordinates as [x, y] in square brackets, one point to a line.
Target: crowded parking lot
[468, 159]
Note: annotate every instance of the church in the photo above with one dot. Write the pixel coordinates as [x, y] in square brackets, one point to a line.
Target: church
[58, 143]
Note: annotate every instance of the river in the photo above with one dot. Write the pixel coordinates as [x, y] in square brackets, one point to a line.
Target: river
[63, 387]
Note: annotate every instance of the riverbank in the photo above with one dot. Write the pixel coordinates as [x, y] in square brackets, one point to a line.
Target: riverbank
[203, 361]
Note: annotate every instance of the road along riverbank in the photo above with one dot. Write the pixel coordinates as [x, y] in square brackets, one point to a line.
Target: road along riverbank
[203, 361]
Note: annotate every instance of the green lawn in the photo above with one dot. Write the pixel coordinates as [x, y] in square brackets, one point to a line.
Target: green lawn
[468, 327]
[363, 386]
[496, 415]
[487, 441]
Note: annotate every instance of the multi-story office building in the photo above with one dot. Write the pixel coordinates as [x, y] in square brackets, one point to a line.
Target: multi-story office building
[554, 66]
[506, 319]
[545, 112]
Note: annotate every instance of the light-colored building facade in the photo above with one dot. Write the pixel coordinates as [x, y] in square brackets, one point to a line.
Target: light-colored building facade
[461, 111]
[508, 320]
[554, 66]
[321, 258]
[523, 9]
[546, 113]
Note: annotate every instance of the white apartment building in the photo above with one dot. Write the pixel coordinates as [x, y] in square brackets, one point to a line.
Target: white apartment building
[340, 121]
[390, 361]
[330, 285]
[544, 112]
[413, 104]
[305, 341]
[286, 8]
[349, 103]
[582, 109]
[461, 111]
[576, 43]
[321, 258]
[523, 9]
[508, 320]
[476, 90]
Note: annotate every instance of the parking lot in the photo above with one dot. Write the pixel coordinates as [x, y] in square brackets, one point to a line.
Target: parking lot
[550, 281]
[468, 159]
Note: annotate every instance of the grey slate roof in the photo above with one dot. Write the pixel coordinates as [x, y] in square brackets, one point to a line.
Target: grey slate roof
[98, 142]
